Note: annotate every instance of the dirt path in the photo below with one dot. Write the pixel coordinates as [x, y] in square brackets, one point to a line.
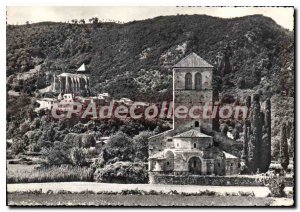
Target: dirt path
[259, 191]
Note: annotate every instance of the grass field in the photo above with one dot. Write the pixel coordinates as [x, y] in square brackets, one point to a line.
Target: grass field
[16, 199]
[19, 173]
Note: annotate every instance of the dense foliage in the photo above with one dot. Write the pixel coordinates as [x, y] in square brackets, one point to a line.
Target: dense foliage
[122, 172]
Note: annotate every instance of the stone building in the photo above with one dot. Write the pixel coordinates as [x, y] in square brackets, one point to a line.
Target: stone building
[186, 149]
[76, 84]
[73, 83]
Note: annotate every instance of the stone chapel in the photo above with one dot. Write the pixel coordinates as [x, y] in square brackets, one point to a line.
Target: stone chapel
[187, 149]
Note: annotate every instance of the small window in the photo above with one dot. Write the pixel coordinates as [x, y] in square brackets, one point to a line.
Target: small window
[194, 164]
[188, 81]
[198, 81]
[219, 164]
[169, 139]
[231, 164]
[168, 163]
[195, 145]
[196, 123]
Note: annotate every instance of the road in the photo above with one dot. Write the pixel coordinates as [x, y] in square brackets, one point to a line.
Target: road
[259, 191]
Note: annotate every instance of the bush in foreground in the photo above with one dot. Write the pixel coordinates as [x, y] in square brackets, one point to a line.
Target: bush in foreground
[276, 186]
[122, 172]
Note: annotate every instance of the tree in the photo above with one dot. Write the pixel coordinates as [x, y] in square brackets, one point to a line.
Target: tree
[74, 21]
[82, 21]
[94, 20]
[88, 140]
[248, 104]
[73, 140]
[77, 156]
[241, 83]
[141, 145]
[257, 134]
[284, 151]
[18, 146]
[224, 129]
[58, 154]
[246, 130]
[78, 128]
[119, 146]
[225, 65]
[266, 140]
[292, 142]
[235, 133]
[24, 127]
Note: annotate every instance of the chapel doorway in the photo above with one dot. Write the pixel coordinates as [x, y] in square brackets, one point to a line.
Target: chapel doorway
[195, 165]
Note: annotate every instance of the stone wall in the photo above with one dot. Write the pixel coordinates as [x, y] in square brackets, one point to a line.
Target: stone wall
[157, 143]
[211, 180]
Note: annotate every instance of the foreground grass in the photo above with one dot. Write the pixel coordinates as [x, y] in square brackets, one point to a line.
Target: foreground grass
[32, 174]
[41, 199]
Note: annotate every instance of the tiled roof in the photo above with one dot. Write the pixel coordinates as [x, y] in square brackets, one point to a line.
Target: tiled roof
[192, 60]
[158, 155]
[192, 134]
[227, 155]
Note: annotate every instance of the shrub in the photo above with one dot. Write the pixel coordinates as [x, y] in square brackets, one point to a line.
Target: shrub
[173, 192]
[64, 192]
[87, 192]
[77, 156]
[88, 140]
[132, 192]
[122, 172]
[58, 154]
[49, 192]
[276, 186]
[141, 145]
[119, 146]
[18, 146]
[153, 192]
[241, 83]
[246, 194]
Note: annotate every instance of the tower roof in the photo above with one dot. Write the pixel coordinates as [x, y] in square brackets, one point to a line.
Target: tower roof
[81, 68]
[227, 155]
[192, 60]
[192, 134]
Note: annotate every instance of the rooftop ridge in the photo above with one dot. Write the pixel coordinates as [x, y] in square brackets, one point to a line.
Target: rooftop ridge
[192, 60]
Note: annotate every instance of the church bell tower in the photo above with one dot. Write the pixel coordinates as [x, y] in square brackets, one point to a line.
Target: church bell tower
[192, 88]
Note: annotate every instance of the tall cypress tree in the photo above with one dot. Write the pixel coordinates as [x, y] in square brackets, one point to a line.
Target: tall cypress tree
[246, 131]
[292, 141]
[266, 141]
[284, 150]
[257, 133]
[248, 104]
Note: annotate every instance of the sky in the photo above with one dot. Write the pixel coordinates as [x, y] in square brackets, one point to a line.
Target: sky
[21, 14]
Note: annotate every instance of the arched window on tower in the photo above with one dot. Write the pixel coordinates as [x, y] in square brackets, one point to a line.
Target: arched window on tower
[197, 124]
[198, 81]
[188, 81]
